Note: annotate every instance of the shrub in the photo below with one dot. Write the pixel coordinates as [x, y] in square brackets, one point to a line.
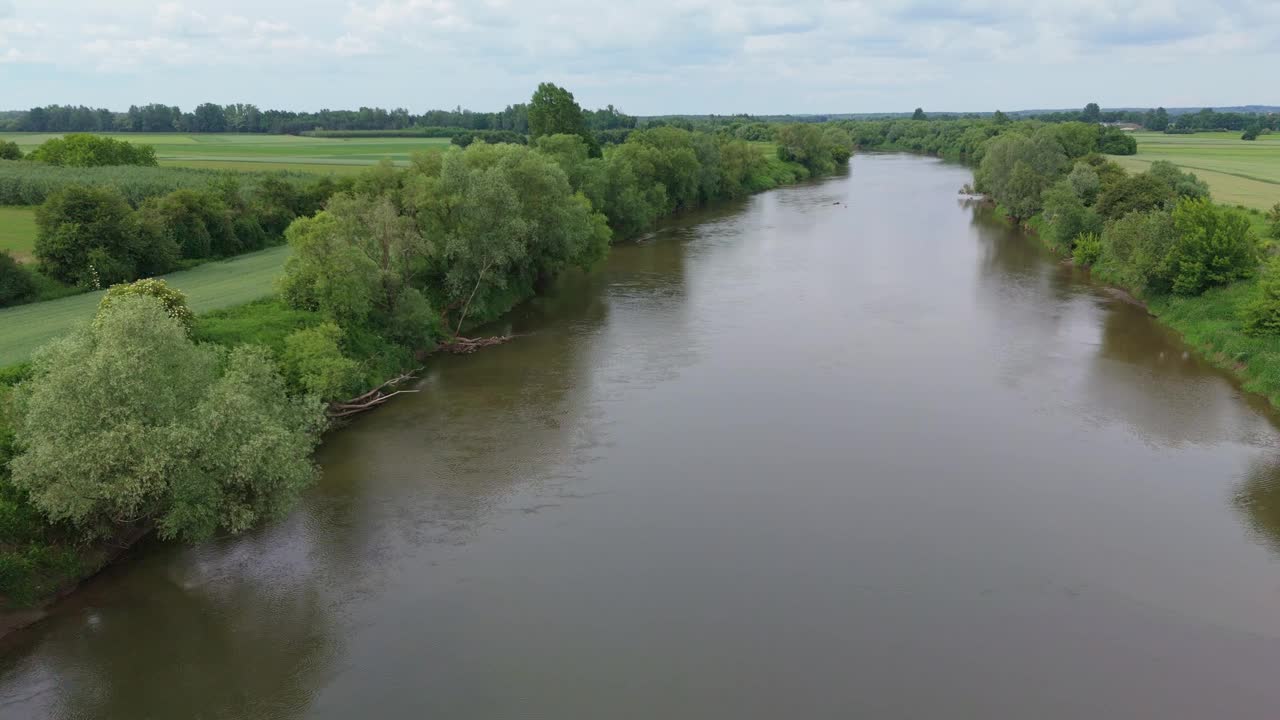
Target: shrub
[16, 283]
[313, 361]
[1135, 193]
[1261, 316]
[1184, 184]
[173, 300]
[1067, 216]
[10, 150]
[1214, 247]
[1134, 251]
[198, 222]
[1088, 248]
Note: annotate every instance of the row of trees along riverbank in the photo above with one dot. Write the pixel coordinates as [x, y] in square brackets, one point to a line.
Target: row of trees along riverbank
[1208, 271]
[150, 417]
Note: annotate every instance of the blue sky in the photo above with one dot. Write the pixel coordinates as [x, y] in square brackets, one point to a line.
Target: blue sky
[651, 57]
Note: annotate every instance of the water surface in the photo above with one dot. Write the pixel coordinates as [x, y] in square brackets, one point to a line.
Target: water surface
[850, 449]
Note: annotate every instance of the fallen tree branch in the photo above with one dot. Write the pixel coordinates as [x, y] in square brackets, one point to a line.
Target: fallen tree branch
[465, 346]
[371, 399]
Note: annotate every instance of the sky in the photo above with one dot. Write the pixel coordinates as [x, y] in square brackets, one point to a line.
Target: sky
[645, 57]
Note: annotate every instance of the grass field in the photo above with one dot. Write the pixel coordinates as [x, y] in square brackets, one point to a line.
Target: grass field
[208, 287]
[230, 151]
[18, 231]
[1239, 172]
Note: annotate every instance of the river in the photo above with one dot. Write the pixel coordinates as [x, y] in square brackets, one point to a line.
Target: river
[848, 449]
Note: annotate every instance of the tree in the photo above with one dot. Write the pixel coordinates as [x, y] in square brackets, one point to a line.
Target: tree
[1215, 246]
[553, 111]
[173, 300]
[16, 283]
[1261, 316]
[10, 150]
[1252, 131]
[1068, 218]
[1000, 118]
[196, 221]
[88, 236]
[1183, 184]
[1016, 169]
[1135, 250]
[1157, 120]
[1091, 113]
[313, 361]
[127, 422]
[83, 150]
[1135, 193]
[919, 114]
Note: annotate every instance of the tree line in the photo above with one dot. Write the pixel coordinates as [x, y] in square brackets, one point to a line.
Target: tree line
[151, 417]
[248, 118]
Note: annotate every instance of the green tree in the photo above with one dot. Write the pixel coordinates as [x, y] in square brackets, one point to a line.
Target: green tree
[1085, 182]
[1215, 246]
[1252, 131]
[919, 114]
[16, 283]
[1016, 169]
[1067, 215]
[1135, 251]
[1261, 316]
[173, 300]
[1135, 193]
[1091, 113]
[197, 221]
[1183, 184]
[553, 111]
[313, 361]
[88, 236]
[84, 150]
[128, 422]
[10, 150]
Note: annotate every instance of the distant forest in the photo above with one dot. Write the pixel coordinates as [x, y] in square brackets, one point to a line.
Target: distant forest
[248, 118]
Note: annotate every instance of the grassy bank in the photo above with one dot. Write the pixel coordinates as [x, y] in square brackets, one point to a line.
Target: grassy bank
[1239, 172]
[234, 151]
[208, 287]
[18, 231]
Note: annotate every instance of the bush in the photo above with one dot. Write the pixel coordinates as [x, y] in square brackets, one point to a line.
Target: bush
[1262, 315]
[173, 300]
[1135, 193]
[128, 421]
[197, 222]
[1183, 184]
[1114, 141]
[1067, 216]
[1214, 246]
[10, 150]
[85, 150]
[313, 362]
[1134, 251]
[1088, 249]
[16, 283]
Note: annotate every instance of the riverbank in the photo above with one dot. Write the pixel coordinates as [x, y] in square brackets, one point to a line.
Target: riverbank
[1210, 323]
[272, 323]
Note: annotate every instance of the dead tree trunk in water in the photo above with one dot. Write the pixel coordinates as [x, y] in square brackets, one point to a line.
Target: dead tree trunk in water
[371, 399]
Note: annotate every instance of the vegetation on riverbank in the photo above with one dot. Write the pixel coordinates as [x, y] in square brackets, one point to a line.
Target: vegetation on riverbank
[1208, 271]
[399, 260]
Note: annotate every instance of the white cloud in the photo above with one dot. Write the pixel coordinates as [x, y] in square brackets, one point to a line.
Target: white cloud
[661, 55]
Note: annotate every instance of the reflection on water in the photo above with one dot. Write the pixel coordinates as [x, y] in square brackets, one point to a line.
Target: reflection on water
[848, 448]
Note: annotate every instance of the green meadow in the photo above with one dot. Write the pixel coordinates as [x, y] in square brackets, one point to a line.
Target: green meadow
[18, 231]
[208, 287]
[232, 151]
[1239, 172]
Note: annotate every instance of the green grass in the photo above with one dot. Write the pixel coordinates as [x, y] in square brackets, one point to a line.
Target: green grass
[18, 231]
[232, 151]
[1239, 172]
[208, 287]
[1211, 323]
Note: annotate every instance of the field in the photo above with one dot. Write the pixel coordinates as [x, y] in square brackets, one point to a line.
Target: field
[1239, 172]
[208, 287]
[231, 151]
[18, 231]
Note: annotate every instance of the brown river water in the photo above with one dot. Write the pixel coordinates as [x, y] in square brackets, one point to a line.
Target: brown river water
[848, 449]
